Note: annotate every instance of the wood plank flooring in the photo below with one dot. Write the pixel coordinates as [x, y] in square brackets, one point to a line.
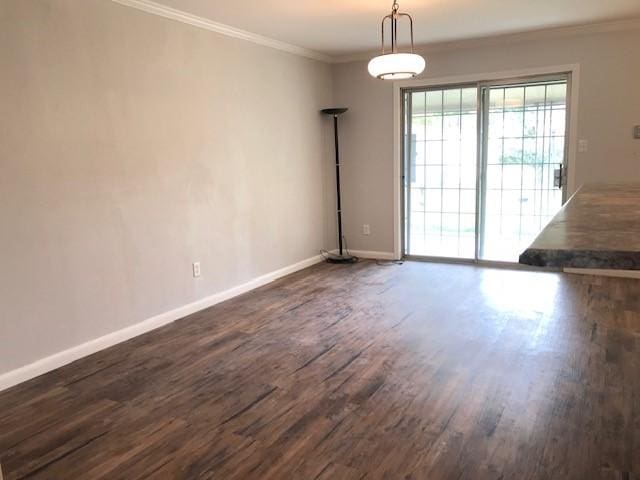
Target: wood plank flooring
[414, 371]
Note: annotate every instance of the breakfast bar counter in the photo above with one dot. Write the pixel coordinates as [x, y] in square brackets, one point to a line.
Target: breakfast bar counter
[599, 228]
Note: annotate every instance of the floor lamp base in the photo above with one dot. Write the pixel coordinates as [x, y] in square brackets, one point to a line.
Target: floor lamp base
[344, 259]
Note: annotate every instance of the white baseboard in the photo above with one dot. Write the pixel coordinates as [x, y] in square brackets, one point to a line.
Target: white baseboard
[60, 359]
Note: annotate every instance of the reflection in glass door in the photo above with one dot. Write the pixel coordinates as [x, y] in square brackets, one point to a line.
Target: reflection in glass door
[482, 178]
[440, 189]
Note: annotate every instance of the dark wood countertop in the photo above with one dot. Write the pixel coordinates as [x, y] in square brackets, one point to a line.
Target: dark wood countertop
[599, 227]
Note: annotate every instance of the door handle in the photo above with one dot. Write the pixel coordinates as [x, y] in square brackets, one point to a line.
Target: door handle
[558, 177]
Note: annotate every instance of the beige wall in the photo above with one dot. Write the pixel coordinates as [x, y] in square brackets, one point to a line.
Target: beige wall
[609, 106]
[132, 145]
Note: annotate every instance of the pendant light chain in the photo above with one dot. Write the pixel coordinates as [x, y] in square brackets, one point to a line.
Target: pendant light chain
[394, 26]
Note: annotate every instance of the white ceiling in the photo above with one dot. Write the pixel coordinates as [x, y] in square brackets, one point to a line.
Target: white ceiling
[341, 27]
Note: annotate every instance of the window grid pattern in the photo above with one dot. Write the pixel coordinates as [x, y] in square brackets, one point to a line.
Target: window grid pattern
[442, 186]
[526, 143]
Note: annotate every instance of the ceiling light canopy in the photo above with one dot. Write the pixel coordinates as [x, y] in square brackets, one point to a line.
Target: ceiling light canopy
[396, 65]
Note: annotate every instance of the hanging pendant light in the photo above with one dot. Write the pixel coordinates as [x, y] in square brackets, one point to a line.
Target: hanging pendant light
[396, 65]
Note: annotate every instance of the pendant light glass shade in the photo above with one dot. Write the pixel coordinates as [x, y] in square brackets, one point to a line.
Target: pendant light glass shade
[396, 65]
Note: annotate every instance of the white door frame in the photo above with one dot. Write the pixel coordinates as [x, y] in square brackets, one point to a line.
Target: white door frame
[573, 69]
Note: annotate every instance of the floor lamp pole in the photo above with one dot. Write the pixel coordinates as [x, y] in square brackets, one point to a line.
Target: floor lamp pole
[339, 201]
[341, 258]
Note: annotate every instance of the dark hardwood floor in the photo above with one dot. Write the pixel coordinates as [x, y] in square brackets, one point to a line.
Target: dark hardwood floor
[414, 371]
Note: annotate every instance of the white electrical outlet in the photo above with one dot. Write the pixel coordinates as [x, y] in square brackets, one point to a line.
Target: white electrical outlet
[196, 269]
[366, 230]
[583, 146]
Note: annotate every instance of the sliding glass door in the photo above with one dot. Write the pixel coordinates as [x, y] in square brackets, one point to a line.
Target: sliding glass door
[483, 167]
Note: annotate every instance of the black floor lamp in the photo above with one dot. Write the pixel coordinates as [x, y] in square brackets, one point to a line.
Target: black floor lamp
[344, 256]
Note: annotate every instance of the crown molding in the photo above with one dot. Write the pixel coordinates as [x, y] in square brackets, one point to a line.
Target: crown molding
[495, 40]
[200, 22]
[154, 8]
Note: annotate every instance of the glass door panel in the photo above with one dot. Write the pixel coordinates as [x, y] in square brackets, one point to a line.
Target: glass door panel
[440, 172]
[524, 151]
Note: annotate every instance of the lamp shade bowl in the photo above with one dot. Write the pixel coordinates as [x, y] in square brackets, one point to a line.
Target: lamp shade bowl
[396, 66]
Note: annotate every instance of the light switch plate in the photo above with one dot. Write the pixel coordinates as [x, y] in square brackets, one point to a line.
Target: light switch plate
[636, 132]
